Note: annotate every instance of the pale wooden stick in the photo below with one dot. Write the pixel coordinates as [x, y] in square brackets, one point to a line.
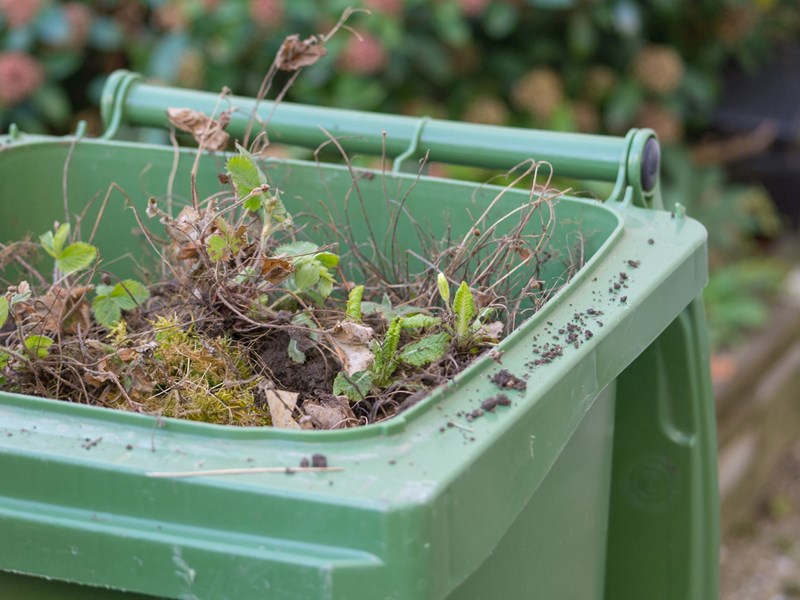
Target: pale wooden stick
[244, 471]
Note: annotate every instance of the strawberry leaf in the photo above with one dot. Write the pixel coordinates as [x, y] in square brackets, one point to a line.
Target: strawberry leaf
[76, 257]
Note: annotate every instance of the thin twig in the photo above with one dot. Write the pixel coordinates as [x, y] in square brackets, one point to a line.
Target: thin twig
[243, 471]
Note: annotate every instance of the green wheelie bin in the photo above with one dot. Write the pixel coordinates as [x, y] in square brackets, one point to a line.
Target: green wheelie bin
[598, 482]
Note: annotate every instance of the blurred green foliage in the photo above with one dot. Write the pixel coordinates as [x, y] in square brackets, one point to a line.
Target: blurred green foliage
[556, 64]
[737, 298]
[593, 66]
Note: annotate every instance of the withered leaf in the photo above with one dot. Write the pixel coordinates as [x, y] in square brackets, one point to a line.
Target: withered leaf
[281, 404]
[295, 53]
[209, 133]
[335, 414]
[491, 330]
[60, 310]
[276, 269]
[127, 354]
[351, 342]
[187, 251]
[98, 377]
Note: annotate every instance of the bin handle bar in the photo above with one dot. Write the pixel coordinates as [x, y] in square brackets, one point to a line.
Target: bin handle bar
[127, 98]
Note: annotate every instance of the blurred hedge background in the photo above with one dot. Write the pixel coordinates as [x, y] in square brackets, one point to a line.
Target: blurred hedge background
[601, 66]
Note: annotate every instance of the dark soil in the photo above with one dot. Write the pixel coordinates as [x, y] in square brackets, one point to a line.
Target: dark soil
[506, 380]
[308, 379]
[491, 403]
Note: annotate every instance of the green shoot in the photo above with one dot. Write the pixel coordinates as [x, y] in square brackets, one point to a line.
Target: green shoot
[72, 258]
[312, 269]
[464, 310]
[251, 186]
[226, 242]
[353, 309]
[444, 288]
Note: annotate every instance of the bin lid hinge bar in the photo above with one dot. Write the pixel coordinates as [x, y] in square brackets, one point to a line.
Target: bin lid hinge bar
[112, 102]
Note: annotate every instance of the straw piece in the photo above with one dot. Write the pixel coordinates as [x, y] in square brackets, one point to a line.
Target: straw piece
[243, 471]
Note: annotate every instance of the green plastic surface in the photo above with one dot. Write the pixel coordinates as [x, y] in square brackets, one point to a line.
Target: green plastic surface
[598, 482]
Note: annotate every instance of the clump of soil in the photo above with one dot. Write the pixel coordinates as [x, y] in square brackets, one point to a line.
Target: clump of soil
[504, 379]
[493, 402]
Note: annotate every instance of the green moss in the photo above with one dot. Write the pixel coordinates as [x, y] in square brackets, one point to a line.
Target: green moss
[202, 378]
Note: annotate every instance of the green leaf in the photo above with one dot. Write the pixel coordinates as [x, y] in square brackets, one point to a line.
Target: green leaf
[217, 247]
[325, 284]
[106, 311]
[4, 358]
[420, 322]
[444, 288]
[464, 309]
[129, 293]
[104, 290]
[60, 238]
[3, 310]
[46, 240]
[297, 355]
[358, 389]
[246, 177]
[297, 249]
[353, 310]
[327, 259]
[75, 257]
[38, 346]
[425, 351]
[306, 275]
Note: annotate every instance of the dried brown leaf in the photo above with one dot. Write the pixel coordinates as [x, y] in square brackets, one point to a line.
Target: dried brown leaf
[60, 310]
[209, 133]
[295, 53]
[100, 376]
[491, 330]
[334, 414]
[127, 354]
[351, 342]
[281, 404]
[187, 251]
[276, 269]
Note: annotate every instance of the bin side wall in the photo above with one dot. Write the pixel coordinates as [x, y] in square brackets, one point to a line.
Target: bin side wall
[561, 532]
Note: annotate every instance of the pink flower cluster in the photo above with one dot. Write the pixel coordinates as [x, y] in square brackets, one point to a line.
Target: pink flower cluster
[267, 14]
[366, 56]
[20, 76]
[19, 13]
[79, 16]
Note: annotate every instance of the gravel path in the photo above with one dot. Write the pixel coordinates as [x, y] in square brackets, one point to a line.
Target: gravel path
[761, 559]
